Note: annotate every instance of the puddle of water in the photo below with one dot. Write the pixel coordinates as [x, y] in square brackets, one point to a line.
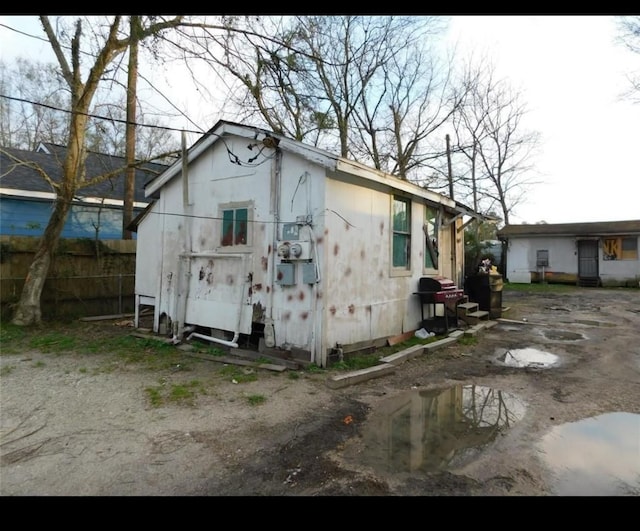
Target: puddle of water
[598, 456]
[526, 357]
[427, 430]
[562, 335]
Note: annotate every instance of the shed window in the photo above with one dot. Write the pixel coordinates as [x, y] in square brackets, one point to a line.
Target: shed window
[234, 226]
[620, 248]
[542, 258]
[401, 224]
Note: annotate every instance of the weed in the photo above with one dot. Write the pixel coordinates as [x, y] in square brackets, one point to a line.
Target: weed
[54, 342]
[238, 375]
[539, 288]
[8, 369]
[467, 340]
[154, 395]
[256, 400]
[39, 364]
[183, 393]
[293, 375]
[83, 370]
[357, 362]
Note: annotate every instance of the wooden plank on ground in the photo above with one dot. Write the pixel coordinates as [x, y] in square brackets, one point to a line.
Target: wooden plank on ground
[399, 339]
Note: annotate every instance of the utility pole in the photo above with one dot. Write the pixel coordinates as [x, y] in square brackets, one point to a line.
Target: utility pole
[130, 148]
[450, 172]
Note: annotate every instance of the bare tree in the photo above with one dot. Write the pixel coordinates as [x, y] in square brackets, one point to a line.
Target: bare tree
[34, 110]
[82, 82]
[629, 27]
[366, 87]
[22, 124]
[498, 150]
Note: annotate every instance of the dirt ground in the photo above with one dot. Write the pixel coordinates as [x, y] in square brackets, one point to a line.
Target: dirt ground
[83, 425]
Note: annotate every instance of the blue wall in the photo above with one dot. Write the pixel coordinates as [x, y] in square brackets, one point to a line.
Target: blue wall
[19, 217]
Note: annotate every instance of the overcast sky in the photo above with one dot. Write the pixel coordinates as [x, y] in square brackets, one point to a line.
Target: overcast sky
[571, 73]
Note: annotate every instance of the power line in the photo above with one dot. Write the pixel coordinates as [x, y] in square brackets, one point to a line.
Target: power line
[99, 117]
[232, 156]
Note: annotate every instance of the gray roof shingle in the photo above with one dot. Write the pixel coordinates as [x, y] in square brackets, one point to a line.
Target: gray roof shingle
[22, 177]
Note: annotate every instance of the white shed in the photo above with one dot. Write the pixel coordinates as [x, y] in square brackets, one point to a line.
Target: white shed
[601, 253]
[253, 235]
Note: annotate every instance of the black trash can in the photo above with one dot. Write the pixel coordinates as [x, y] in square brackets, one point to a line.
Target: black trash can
[476, 287]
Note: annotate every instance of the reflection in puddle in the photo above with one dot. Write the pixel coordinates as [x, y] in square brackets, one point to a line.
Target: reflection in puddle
[426, 430]
[526, 357]
[599, 456]
[562, 335]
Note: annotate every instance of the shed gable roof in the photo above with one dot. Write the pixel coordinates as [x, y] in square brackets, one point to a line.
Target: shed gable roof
[325, 159]
[595, 228]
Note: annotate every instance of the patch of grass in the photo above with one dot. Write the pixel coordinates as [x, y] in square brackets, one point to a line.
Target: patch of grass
[356, 362]
[7, 369]
[10, 333]
[467, 340]
[293, 375]
[178, 393]
[238, 374]
[539, 288]
[314, 368]
[256, 400]
[54, 342]
[39, 364]
[154, 395]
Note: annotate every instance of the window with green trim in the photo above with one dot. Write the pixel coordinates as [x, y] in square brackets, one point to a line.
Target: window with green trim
[401, 224]
[234, 226]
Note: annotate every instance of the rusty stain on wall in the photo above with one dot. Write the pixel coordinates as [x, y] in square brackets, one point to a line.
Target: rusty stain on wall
[336, 248]
[265, 263]
[332, 310]
[352, 309]
[304, 315]
[347, 272]
[362, 254]
[230, 280]
[301, 295]
[258, 312]
[286, 316]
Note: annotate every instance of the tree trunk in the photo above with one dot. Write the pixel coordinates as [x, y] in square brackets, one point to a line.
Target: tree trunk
[28, 311]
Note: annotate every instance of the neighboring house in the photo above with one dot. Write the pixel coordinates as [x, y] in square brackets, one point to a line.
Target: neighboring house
[603, 253]
[26, 199]
[255, 235]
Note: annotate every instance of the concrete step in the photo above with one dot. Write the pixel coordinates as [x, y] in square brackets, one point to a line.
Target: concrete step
[472, 318]
[466, 307]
